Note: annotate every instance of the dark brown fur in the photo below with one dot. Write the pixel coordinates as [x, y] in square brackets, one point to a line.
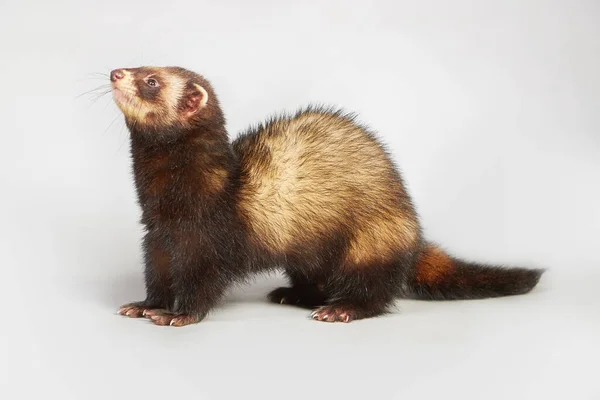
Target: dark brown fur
[314, 193]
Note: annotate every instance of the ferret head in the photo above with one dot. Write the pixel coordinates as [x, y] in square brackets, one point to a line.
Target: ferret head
[164, 99]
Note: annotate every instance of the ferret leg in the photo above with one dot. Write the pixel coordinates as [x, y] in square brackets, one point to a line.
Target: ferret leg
[158, 280]
[360, 291]
[197, 286]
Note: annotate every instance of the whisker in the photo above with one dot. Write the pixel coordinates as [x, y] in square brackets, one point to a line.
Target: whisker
[102, 74]
[111, 123]
[100, 94]
[122, 142]
[98, 97]
[106, 105]
[102, 87]
[90, 78]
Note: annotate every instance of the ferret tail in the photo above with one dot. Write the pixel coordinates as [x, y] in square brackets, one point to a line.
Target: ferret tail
[440, 276]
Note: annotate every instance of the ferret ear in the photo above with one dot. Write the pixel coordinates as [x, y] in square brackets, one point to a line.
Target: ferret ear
[195, 101]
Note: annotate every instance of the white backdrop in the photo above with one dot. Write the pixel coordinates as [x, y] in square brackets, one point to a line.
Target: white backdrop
[489, 107]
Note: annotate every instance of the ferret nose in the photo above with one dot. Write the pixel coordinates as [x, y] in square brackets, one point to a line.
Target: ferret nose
[116, 74]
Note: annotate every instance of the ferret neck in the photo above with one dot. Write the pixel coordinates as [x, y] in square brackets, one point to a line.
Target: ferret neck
[204, 149]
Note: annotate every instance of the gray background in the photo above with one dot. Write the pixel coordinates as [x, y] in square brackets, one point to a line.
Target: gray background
[489, 107]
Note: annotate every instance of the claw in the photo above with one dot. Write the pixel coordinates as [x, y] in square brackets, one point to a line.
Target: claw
[334, 314]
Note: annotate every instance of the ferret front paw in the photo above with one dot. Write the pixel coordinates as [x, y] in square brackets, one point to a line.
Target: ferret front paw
[334, 314]
[166, 318]
[133, 310]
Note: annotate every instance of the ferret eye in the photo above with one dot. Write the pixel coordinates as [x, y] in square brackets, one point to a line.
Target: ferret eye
[152, 82]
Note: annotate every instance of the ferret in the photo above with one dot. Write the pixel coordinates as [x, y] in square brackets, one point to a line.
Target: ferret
[314, 193]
